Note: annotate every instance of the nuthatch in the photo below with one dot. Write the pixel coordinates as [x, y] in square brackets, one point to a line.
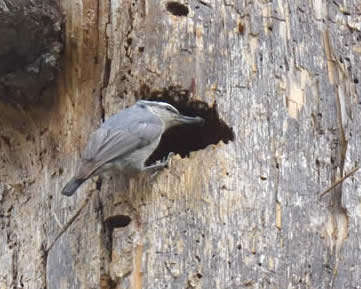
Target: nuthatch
[126, 140]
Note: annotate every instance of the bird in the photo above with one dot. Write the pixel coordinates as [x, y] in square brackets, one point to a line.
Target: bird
[125, 141]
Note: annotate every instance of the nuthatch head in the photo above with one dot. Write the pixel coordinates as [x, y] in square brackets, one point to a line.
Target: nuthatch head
[168, 114]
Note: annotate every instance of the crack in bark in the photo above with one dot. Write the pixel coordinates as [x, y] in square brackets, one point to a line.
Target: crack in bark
[128, 39]
[15, 267]
[338, 213]
[108, 61]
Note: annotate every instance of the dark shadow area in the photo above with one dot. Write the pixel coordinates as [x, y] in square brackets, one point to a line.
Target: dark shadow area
[110, 223]
[177, 9]
[31, 50]
[117, 221]
[184, 139]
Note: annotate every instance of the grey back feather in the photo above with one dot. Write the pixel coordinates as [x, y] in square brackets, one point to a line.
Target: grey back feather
[121, 134]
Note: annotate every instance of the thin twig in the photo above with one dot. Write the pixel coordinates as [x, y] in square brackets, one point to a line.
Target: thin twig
[71, 221]
[339, 181]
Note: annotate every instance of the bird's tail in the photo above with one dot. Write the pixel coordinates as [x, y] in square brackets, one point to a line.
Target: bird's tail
[72, 186]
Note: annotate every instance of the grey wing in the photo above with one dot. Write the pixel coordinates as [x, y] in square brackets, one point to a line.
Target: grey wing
[109, 143]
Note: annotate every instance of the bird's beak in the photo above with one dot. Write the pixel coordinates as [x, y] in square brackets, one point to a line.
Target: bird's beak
[190, 120]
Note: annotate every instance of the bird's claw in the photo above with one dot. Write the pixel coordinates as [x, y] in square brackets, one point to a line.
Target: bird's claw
[166, 161]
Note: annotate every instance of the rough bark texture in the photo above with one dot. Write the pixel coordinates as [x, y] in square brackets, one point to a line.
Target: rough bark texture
[246, 214]
[30, 37]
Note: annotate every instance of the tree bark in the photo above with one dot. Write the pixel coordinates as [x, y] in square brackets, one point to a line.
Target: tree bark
[30, 37]
[240, 205]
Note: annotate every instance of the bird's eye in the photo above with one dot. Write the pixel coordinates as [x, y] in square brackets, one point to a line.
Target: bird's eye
[170, 109]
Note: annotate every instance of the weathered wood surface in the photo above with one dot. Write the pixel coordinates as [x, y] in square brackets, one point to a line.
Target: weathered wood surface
[30, 37]
[247, 214]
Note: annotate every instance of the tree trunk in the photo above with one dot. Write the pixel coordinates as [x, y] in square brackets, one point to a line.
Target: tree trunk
[240, 204]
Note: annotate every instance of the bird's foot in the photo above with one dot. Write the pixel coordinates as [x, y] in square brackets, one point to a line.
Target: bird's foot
[154, 169]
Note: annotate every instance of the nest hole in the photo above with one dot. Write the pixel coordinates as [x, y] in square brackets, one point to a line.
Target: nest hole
[185, 139]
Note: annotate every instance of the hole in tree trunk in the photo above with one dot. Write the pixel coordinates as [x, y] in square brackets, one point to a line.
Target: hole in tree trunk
[177, 9]
[187, 138]
[117, 221]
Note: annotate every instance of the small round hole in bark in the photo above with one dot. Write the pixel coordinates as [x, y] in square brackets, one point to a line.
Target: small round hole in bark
[177, 9]
[117, 221]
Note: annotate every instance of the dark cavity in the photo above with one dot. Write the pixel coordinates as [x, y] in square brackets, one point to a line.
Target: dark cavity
[185, 139]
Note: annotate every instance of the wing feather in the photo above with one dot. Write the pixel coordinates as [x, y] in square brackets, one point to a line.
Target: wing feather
[106, 144]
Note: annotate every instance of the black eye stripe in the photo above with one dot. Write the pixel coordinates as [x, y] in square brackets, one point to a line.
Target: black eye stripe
[171, 109]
